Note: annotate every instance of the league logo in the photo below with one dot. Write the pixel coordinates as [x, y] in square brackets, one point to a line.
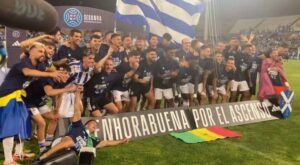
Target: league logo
[72, 17]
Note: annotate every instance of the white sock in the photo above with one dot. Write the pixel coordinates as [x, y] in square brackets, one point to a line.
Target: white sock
[19, 148]
[42, 141]
[8, 144]
[48, 136]
[186, 103]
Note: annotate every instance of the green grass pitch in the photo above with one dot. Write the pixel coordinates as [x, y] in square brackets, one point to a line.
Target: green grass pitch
[272, 142]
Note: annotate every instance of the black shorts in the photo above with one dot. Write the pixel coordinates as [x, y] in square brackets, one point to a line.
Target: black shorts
[99, 102]
[139, 90]
[135, 90]
[145, 89]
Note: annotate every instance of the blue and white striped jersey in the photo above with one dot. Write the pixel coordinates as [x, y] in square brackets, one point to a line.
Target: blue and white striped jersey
[78, 75]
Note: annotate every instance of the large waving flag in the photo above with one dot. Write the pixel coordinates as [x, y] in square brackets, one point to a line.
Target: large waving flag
[177, 17]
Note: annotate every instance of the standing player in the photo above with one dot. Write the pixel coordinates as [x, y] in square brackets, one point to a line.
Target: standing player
[239, 83]
[272, 78]
[70, 49]
[166, 69]
[127, 43]
[94, 45]
[220, 80]
[36, 102]
[121, 89]
[81, 73]
[153, 44]
[143, 82]
[185, 82]
[13, 114]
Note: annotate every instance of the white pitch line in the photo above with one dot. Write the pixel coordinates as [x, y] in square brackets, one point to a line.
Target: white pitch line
[259, 153]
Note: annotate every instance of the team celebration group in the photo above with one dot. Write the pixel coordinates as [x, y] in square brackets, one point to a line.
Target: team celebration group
[115, 73]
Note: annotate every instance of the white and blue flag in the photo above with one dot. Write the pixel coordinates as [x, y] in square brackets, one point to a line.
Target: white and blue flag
[285, 102]
[177, 17]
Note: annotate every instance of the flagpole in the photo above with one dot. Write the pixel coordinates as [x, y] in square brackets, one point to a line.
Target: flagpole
[115, 26]
[206, 20]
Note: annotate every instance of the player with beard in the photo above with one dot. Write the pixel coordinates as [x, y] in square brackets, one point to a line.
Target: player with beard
[233, 49]
[143, 82]
[239, 83]
[140, 46]
[13, 114]
[120, 90]
[201, 66]
[219, 81]
[184, 81]
[48, 41]
[36, 103]
[166, 69]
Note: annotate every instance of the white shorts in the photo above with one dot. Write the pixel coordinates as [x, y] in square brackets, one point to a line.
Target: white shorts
[34, 111]
[187, 88]
[200, 89]
[45, 109]
[121, 95]
[220, 90]
[239, 85]
[163, 93]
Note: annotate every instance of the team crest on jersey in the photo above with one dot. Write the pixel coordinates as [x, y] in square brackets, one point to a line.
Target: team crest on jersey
[26, 84]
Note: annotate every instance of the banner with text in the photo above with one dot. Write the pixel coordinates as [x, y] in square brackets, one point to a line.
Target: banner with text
[142, 124]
